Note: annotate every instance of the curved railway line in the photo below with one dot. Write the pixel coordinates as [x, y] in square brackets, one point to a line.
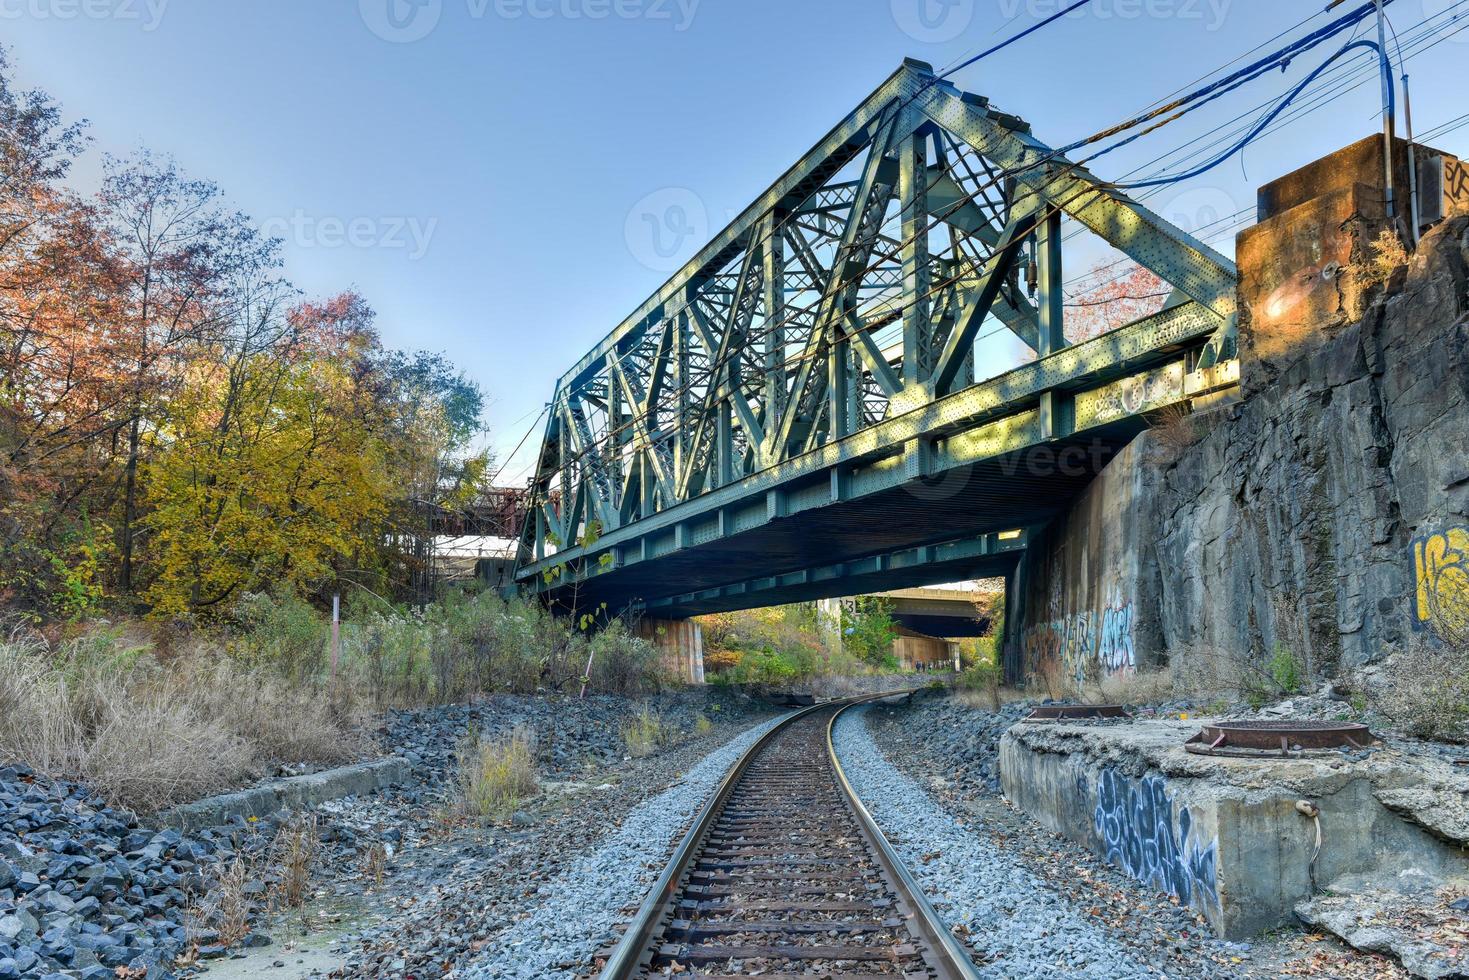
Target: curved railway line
[784, 874]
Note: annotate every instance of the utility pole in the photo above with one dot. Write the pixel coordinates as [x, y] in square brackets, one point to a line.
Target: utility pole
[1388, 123]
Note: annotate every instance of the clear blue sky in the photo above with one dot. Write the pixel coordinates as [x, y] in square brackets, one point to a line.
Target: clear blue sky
[478, 168]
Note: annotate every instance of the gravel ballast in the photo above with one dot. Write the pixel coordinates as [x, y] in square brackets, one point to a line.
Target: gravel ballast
[577, 911]
[1015, 924]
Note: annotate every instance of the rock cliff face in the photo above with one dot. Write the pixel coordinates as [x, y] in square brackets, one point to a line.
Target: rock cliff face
[1326, 513]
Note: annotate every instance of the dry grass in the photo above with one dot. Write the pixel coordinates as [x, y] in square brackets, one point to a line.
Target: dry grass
[1174, 429]
[373, 863]
[496, 776]
[1388, 255]
[645, 733]
[293, 856]
[147, 733]
[227, 906]
[1053, 678]
[1427, 689]
[1137, 687]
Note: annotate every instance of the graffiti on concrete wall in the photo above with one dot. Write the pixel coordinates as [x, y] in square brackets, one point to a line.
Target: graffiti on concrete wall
[1441, 581]
[1140, 833]
[1455, 181]
[1077, 642]
[1115, 649]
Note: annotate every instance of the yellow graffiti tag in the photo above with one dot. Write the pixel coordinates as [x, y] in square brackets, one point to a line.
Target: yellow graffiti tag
[1441, 565]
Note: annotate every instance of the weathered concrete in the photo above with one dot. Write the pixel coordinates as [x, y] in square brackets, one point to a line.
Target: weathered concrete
[682, 644]
[1084, 575]
[1224, 835]
[1326, 514]
[290, 793]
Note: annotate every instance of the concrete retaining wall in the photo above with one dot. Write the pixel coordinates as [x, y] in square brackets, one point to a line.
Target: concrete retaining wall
[290, 793]
[1327, 514]
[1223, 835]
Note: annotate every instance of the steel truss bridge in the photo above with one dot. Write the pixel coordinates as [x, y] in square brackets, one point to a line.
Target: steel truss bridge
[808, 409]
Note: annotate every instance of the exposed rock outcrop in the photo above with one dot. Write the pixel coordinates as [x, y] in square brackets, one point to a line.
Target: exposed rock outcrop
[1292, 521]
[1326, 514]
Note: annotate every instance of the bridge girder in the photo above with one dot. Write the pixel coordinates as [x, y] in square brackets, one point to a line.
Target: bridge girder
[817, 358]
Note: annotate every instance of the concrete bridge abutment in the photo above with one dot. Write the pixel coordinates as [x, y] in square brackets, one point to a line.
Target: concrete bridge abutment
[1288, 519]
[681, 642]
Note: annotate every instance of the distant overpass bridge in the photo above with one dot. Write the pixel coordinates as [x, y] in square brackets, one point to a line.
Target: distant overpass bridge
[810, 407]
[949, 613]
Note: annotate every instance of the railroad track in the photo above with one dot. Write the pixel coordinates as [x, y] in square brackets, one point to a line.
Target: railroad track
[784, 874]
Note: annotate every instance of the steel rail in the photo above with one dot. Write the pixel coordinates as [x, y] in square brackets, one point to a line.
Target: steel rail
[923, 919]
[632, 953]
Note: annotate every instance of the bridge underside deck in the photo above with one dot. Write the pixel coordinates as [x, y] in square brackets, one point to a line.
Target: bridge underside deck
[921, 532]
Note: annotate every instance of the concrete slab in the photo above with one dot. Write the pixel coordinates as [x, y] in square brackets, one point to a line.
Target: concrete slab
[1225, 835]
[290, 793]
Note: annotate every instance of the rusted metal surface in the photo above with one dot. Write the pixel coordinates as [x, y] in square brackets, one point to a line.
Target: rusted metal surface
[784, 874]
[1072, 712]
[1278, 737]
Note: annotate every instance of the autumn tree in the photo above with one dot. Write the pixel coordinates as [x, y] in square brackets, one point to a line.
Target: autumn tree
[436, 413]
[177, 246]
[176, 425]
[1112, 295]
[57, 390]
[272, 466]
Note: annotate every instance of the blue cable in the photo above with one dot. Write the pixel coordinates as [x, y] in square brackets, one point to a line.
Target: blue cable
[1011, 40]
[1200, 97]
[1383, 61]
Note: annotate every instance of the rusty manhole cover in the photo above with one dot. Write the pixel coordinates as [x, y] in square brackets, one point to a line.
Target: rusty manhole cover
[1072, 712]
[1285, 736]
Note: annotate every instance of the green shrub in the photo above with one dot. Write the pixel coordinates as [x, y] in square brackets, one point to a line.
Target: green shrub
[623, 663]
[868, 630]
[283, 633]
[1286, 671]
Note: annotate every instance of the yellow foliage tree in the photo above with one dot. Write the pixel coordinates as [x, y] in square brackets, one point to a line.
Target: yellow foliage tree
[271, 473]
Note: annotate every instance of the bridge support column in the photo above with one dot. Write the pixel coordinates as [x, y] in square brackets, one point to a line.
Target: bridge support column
[681, 642]
[1011, 650]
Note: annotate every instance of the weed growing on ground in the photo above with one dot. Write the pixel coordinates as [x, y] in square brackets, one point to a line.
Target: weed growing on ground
[227, 904]
[1136, 687]
[292, 858]
[702, 725]
[496, 775]
[373, 862]
[1286, 670]
[982, 681]
[645, 733]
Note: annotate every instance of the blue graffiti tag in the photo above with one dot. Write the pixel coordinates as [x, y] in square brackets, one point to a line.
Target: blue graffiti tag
[1135, 821]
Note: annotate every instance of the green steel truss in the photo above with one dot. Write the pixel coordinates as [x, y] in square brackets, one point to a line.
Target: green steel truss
[761, 367]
